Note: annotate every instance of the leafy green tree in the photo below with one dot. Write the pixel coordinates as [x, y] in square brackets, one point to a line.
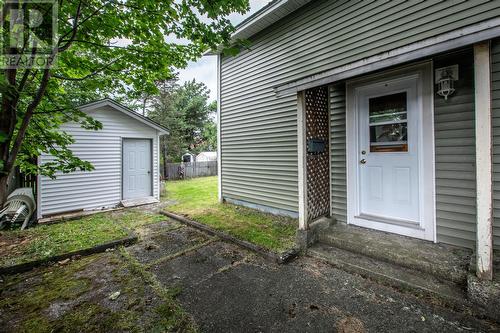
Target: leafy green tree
[208, 140]
[104, 47]
[185, 111]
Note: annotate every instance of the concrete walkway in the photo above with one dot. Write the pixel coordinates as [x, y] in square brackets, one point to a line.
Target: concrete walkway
[227, 289]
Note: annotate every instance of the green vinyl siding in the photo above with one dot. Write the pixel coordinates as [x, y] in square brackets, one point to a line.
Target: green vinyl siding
[495, 96]
[259, 129]
[455, 155]
[338, 176]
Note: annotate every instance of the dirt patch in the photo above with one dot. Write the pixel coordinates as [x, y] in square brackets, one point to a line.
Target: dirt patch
[13, 244]
[196, 266]
[164, 244]
[155, 228]
[350, 325]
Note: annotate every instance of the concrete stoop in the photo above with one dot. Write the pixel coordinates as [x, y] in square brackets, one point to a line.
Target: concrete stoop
[402, 278]
[435, 271]
[485, 294]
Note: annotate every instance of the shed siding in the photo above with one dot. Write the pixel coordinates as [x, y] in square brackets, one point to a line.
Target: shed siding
[455, 156]
[338, 152]
[102, 186]
[259, 145]
[495, 95]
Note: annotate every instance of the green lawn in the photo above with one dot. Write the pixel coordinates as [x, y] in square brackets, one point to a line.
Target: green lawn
[45, 241]
[197, 199]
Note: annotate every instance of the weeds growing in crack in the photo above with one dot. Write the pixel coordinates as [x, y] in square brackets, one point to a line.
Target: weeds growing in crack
[174, 317]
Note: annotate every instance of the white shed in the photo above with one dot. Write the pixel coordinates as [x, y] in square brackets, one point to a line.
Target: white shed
[188, 158]
[206, 156]
[125, 156]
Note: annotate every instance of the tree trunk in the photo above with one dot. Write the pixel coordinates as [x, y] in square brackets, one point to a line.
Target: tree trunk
[4, 191]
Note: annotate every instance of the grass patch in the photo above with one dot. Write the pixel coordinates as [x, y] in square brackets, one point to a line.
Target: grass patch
[197, 199]
[45, 241]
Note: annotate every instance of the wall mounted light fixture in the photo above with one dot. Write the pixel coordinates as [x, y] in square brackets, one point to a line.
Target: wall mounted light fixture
[445, 78]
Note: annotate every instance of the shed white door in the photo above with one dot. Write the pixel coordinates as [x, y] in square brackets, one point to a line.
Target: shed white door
[388, 151]
[137, 168]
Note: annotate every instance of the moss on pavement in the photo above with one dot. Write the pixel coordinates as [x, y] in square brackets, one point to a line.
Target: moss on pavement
[77, 297]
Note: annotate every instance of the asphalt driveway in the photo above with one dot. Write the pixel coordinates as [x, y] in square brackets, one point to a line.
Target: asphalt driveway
[221, 287]
[228, 289]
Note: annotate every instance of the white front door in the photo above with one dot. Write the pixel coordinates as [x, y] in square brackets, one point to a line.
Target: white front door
[387, 158]
[136, 168]
[388, 151]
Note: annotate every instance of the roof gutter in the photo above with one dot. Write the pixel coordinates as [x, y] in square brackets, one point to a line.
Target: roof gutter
[261, 19]
[259, 15]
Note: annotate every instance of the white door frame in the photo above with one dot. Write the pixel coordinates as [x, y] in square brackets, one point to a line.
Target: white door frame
[151, 178]
[427, 228]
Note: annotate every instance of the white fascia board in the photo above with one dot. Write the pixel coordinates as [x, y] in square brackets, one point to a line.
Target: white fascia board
[263, 18]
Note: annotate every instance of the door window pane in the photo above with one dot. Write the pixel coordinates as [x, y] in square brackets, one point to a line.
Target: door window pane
[388, 123]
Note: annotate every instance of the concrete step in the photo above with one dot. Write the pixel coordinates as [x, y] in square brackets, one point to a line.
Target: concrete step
[445, 262]
[138, 202]
[402, 278]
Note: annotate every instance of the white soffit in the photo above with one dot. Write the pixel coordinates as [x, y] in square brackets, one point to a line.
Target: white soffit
[267, 15]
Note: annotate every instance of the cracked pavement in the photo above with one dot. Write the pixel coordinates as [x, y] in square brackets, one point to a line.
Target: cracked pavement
[228, 289]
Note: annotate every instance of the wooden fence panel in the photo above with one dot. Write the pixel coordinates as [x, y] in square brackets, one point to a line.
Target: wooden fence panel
[18, 179]
[175, 171]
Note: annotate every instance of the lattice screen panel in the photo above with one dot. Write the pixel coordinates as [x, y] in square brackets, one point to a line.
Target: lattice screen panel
[318, 165]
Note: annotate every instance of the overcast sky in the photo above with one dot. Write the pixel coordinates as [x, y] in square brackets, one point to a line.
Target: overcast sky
[205, 69]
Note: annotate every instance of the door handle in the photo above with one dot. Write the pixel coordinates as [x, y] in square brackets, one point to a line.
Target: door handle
[363, 161]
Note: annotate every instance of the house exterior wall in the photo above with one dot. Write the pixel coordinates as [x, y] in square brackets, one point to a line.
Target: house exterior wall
[495, 96]
[455, 157]
[338, 150]
[259, 130]
[101, 187]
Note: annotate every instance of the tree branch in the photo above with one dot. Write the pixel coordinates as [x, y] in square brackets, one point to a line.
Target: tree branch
[26, 74]
[54, 111]
[77, 24]
[94, 73]
[127, 48]
[26, 119]
[73, 30]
